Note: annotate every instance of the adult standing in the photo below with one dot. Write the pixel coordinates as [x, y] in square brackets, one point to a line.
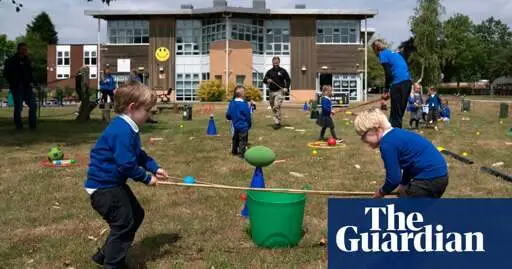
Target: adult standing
[278, 81]
[398, 80]
[18, 72]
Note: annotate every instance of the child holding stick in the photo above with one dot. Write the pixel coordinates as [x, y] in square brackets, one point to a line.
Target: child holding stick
[116, 157]
[415, 166]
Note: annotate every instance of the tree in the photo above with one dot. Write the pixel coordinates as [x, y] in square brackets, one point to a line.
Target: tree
[495, 40]
[458, 49]
[427, 30]
[37, 50]
[18, 3]
[43, 25]
[7, 48]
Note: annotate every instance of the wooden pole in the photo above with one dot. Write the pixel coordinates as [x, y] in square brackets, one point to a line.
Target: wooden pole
[216, 186]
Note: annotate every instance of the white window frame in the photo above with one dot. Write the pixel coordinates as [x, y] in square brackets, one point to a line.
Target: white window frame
[188, 35]
[118, 29]
[346, 85]
[187, 85]
[63, 53]
[276, 29]
[257, 80]
[328, 27]
[90, 53]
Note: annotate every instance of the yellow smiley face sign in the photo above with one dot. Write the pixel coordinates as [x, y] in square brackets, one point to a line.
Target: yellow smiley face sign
[162, 54]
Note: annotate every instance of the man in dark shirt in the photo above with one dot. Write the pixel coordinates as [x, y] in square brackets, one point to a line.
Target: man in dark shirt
[278, 82]
[18, 72]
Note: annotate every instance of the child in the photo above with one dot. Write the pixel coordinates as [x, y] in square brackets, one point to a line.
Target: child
[107, 86]
[416, 167]
[325, 120]
[434, 106]
[445, 111]
[415, 101]
[240, 116]
[116, 157]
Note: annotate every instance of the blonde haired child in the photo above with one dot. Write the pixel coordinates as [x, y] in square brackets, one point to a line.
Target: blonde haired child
[412, 163]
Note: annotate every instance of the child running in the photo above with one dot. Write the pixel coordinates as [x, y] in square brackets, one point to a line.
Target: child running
[325, 120]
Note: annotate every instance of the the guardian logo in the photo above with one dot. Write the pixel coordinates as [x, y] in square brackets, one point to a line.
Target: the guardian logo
[405, 233]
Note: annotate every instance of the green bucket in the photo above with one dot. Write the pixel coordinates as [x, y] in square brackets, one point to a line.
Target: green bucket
[276, 219]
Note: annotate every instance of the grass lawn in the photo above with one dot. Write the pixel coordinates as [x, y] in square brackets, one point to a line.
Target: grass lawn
[46, 217]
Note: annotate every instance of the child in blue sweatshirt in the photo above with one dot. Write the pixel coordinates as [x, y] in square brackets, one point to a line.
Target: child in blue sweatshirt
[107, 86]
[240, 116]
[412, 163]
[434, 107]
[445, 111]
[325, 119]
[116, 157]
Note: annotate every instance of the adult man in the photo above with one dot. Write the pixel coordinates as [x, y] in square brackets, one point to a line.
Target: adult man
[398, 80]
[278, 82]
[18, 72]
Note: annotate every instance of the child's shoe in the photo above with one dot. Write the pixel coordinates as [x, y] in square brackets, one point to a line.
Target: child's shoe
[99, 257]
[339, 141]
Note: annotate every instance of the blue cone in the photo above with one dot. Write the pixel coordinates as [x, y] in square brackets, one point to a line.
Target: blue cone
[258, 181]
[306, 108]
[212, 130]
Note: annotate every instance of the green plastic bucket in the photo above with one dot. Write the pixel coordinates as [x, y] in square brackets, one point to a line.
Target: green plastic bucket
[276, 219]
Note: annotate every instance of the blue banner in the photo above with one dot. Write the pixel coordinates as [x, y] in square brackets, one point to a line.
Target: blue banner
[419, 233]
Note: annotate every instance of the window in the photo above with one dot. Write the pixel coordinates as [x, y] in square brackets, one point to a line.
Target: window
[218, 77]
[277, 37]
[240, 79]
[337, 32]
[212, 30]
[205, 76]
[186, 87]
[257, 80]
[249, 30]
[128, 32]
[90, 60]
[188, 37]
[346, 84]
[63, 61]
[62, 58]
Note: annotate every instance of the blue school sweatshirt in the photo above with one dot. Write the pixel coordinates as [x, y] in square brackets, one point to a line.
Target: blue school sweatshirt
[445, 112]
[326, 106]
[434, 102]
[399, 67]
[117, 156]
[239, 114]
[108, 83]
[407, 156]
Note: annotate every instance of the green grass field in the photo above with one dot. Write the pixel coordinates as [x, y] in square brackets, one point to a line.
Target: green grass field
[47, 221]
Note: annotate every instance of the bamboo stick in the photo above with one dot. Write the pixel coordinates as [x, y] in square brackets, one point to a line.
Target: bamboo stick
[214, 186]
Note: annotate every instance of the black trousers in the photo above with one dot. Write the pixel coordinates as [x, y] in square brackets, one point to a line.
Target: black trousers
[240, 140]
[120, 209]
[427, 188]
[24, 94]
[399, 94]
[104, 95]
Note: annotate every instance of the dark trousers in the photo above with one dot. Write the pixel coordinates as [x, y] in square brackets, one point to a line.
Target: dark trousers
[327, 122]
[417, 123]
[24, 94]
[104, 95]
[123, 213]
[240, 140]
[427, 188]
[399, 94]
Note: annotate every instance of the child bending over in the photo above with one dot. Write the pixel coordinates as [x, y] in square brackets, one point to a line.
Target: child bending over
[412, 163]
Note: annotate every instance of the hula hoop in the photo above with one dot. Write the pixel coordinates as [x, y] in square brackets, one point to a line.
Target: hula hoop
[324, 145]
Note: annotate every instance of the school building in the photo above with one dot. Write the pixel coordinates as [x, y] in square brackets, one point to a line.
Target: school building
[179, 48]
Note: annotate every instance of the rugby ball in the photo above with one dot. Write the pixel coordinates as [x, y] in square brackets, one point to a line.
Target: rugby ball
[260, 156]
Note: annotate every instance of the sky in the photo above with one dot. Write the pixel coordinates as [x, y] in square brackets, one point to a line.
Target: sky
[391, 22]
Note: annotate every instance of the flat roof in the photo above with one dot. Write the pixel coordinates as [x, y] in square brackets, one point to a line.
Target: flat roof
[109, 13]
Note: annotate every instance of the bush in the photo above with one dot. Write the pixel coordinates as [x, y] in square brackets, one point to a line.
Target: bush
[251, 93]
[215, 91]
[68, 91]
[211, 91]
